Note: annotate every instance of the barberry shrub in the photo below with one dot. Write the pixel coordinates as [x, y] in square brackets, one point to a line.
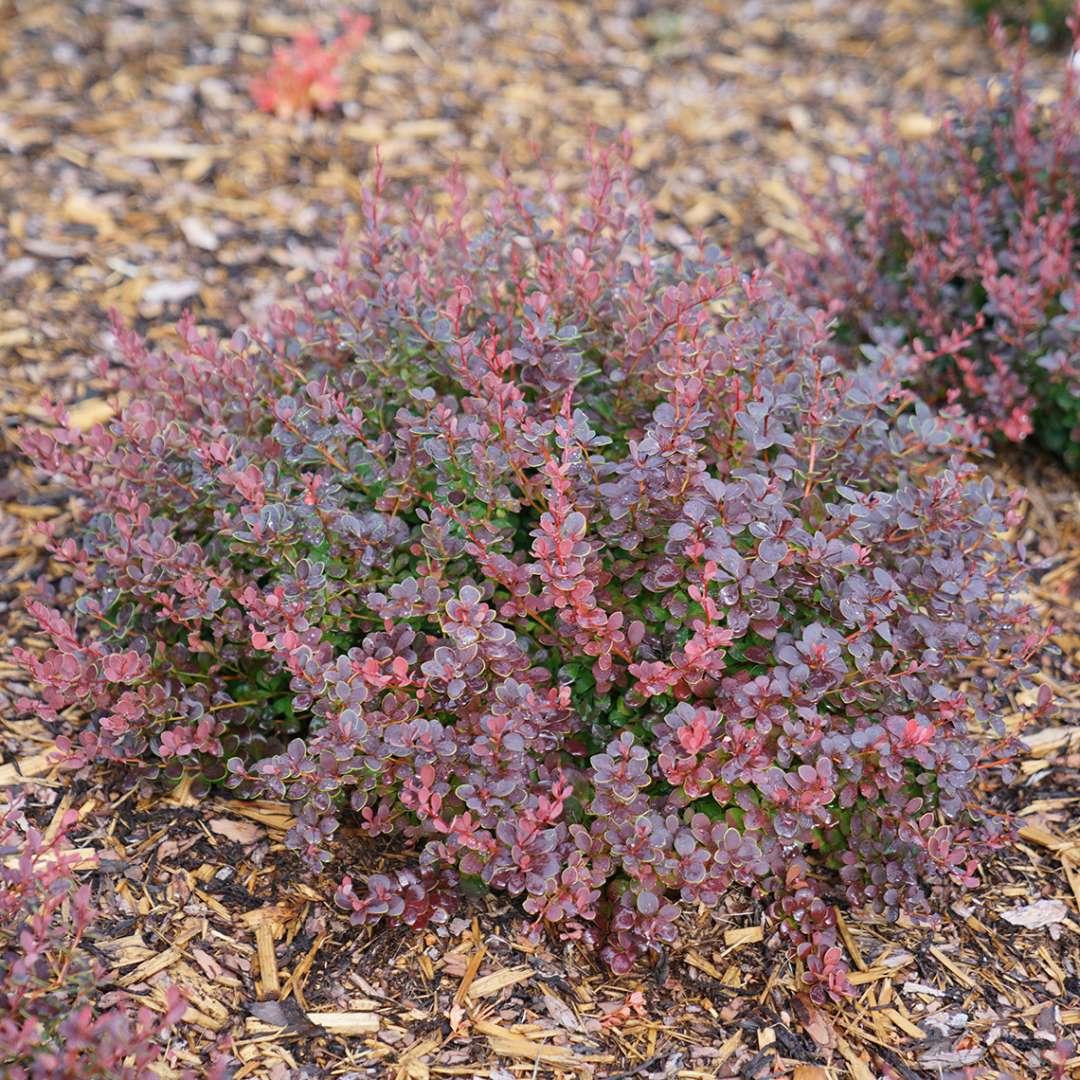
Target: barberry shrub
[964, 247]
[586, 572]
[50, 1027]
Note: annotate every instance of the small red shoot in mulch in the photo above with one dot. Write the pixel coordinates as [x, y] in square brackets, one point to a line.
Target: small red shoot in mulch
[303, 77]
[633, 1006]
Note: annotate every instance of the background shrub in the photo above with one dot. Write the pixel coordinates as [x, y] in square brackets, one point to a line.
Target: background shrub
[1047, 21]
[49, 1026]
[587, 572]
[965, 248]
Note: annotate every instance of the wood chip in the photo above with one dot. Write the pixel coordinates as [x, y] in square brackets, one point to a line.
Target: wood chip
[346, 1023]
[916, 125]
[698, 961]
[499, 980]
[1041, 744]
[849, 941]
[859, 1069]
[271, 915]
[511, 1044]
[15, 772]
[268, 971]
[810, 1072]
[471, 968]
[151, 967]
[958, 972]
[743, 935]
[78, 858]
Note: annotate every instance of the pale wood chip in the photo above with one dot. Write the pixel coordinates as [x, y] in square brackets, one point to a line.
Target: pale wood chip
[151, 967]
[499, 980]
[346, 1023]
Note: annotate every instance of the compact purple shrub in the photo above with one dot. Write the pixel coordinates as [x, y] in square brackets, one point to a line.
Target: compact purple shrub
[965, 248]
[587, 573]
[50, 1028]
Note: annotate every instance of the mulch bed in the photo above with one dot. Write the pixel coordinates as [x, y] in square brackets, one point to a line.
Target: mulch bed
[135, 174]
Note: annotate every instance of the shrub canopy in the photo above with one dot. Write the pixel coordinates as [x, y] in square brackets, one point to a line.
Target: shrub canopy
[964, 248]
[585, 571]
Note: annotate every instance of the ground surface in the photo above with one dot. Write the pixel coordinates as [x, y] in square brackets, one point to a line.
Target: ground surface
[134, 173]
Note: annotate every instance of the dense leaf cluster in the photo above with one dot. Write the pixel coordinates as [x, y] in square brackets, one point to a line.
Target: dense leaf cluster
[588, 573]
[965, 247]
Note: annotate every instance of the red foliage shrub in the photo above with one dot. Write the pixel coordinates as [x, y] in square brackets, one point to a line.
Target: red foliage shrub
[964, 247]
[585, 571]
[303, 77]
[49, 1026]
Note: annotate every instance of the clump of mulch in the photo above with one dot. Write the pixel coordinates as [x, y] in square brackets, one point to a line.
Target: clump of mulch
[136, 174]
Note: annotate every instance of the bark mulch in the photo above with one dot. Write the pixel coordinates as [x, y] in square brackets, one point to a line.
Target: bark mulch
[135, 174]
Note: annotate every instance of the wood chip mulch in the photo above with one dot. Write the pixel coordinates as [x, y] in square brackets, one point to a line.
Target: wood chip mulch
[135, 174]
